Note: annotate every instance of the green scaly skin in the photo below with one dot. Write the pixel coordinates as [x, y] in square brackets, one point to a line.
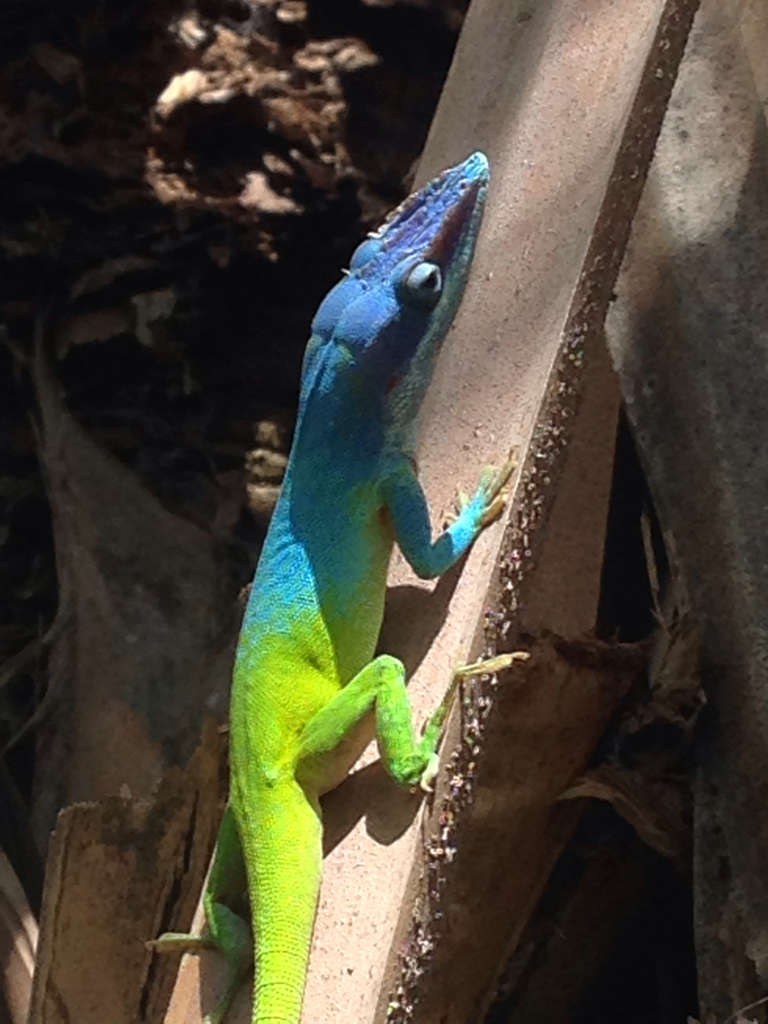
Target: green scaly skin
[305, 675]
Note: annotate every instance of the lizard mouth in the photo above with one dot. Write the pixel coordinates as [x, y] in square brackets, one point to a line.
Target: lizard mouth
[446, 241]
[432, 223]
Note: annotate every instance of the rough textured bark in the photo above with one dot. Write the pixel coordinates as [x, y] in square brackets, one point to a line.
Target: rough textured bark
[120, 871]
[688, 336]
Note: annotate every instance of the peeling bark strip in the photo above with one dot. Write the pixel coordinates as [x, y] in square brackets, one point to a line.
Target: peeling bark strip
[505, 829]
[688, 337]
[118, 872]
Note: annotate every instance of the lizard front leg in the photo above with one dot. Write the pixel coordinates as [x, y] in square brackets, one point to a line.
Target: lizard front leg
[381, 684]
[409, 514]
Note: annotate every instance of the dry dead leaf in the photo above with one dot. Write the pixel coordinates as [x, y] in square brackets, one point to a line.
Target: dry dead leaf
[145, 626]
[18, 943]
[655, 810]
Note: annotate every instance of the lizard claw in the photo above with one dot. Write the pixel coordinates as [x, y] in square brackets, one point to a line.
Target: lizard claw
[461, 502]
[430, 773]
[489, 499]
[494, 510]
[492, 490]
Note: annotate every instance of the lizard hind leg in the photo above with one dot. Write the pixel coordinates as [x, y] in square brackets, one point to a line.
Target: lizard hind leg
[227, 931]
[232, 936]
[378, 687]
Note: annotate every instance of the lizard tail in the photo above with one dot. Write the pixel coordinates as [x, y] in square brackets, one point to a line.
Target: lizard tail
[281, 832]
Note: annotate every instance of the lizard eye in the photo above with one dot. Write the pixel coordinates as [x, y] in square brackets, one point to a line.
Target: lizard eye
[421, 284]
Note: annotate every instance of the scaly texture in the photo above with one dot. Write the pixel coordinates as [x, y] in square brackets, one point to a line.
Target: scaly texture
[304, 679]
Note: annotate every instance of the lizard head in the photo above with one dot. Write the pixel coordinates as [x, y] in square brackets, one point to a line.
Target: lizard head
[381, 327]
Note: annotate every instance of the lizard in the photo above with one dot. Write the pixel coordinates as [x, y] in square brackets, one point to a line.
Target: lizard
[306, 683]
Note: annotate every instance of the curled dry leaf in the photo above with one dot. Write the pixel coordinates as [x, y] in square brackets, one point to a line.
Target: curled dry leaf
[655, 810]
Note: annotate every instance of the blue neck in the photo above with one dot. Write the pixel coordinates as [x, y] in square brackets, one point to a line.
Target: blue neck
[340, 421]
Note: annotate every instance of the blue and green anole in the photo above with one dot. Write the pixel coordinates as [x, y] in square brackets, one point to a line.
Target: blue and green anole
[306, 682]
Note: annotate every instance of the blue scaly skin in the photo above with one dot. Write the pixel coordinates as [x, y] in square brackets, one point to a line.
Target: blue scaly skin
[305, 685]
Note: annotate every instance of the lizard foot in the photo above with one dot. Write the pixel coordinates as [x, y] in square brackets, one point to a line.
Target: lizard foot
[434, 726]
[179, 942]
[240, 963]
[430, 773]
[486, 666]
[483, 667]
[489, 499]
